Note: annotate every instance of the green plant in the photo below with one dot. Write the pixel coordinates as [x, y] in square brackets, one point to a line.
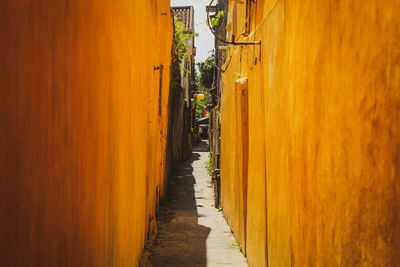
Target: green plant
[206, 73]
[181, 37]
[209, 166]
[217, 19]
[204, 83]
[239, 75]
[237, 244]
[200, 107]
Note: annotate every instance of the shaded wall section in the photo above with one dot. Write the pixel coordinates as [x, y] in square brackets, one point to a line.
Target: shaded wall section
[323, 133]
[83, 127]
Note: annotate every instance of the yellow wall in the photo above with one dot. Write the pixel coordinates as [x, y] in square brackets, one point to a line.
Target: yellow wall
[324, 134]
[81, 142]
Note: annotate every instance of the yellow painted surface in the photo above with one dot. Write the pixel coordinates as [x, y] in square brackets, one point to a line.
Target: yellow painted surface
[81, 140]
[324, 134]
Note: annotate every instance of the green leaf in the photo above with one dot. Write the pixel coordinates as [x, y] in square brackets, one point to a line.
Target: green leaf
[216, 21]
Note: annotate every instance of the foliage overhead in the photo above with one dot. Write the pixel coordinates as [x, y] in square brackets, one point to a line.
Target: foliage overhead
[205, 83]
[206, 73]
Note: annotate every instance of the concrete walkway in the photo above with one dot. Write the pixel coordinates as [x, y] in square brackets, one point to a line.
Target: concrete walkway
[191, 231]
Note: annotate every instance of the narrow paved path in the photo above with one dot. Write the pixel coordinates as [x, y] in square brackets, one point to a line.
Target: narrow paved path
[191, 231]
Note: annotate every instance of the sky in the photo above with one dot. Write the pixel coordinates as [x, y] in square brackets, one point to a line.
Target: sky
[205, 41]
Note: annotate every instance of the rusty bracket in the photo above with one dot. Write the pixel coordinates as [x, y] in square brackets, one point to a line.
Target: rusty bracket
[160, 68]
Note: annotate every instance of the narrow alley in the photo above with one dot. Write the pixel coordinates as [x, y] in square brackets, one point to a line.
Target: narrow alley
[187, 133]
[191, 232]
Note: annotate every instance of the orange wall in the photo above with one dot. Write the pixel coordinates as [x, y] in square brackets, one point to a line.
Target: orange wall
[81, 141]
[324, 134]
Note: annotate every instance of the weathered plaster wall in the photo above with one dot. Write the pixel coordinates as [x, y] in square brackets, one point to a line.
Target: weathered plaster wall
[81, 139]
[179, 139]
[324, 137]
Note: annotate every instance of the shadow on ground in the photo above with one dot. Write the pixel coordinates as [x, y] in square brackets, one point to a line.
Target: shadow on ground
[180, 239]
[201, 147]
